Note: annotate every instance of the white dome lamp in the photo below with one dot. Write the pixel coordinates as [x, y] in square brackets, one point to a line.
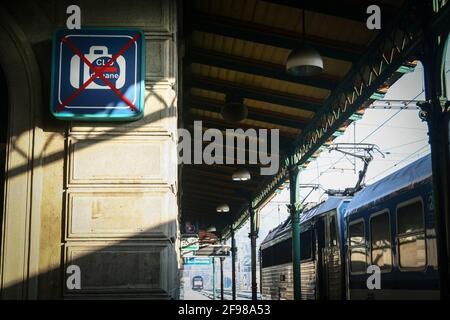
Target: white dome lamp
[304, 61]
[234, 109]
[241, 175]
[223, 208]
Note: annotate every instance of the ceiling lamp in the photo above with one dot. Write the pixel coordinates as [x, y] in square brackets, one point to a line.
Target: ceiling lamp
[234, 109]
[304, 60]
[241, 175]
[211, 229]
[222, 208]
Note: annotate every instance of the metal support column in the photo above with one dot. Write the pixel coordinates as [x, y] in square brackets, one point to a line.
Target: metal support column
[221, 278]
[260, 273]
[433, 113]
[214, 278]
[253, 235]
[294, 209]
[233, 265]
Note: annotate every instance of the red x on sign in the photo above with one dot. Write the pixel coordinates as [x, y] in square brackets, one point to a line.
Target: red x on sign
[97, 72]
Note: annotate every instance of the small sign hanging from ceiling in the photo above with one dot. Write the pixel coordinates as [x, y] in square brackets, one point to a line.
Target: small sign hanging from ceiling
[98, 74]
[197, 261]
[189, 243]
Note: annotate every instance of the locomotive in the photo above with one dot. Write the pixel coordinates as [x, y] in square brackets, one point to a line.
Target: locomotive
[197, 283]
[389, 224]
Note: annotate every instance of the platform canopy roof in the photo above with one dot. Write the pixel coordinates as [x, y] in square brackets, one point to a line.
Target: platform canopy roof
[240, 47]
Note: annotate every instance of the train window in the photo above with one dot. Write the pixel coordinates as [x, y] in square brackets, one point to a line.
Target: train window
[356, 232]
[306, 245]
[277, 254]
[267, 257]
[358, 260]
[357, 248]
[381, 251]
[283, 252]
[410, 218]
[411, 236]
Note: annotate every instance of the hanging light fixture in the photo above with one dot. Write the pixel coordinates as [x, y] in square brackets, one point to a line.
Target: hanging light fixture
[241, 175]
[304, 60]
[211, 229]
[234, 109]
[223, 208]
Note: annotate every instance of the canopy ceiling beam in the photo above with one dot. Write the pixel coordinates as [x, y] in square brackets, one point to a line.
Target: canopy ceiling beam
[255, 93]
[267, 112]
[252, 114]
[213, 123]
[210, 206]
[267, 35]
[204, 171]
[211, 194]
[225, 169]
[231, 185]
[346, 9]
[259, 68]
[236, 186]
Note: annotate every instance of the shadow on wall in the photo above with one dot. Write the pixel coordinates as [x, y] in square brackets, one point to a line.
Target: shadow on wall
[143, 265]
[105, 135]
[143, 262]
[128, 269]
[3, 140]
[41, 49]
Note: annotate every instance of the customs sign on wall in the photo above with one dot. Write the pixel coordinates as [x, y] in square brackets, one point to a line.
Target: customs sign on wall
[98, 74]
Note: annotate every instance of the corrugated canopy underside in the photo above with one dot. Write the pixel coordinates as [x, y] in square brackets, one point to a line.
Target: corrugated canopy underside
[240, 47]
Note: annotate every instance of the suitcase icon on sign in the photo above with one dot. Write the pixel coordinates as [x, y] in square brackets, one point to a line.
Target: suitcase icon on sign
[98, 56]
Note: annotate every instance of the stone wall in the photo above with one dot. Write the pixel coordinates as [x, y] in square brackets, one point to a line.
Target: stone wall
[104, 195]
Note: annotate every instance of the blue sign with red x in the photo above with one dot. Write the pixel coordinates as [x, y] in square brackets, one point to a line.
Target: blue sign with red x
[98, 74]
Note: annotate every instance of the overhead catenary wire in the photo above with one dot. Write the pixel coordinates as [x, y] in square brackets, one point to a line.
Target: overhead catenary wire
[401, 161]
[394, 127]
[368, 136]
[405, 144]
[379, 126]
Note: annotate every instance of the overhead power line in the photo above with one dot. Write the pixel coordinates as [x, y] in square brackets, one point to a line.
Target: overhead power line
[401, 161]
[368, 136]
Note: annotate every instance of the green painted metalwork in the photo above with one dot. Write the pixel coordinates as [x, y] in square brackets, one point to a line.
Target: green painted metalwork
[253, 235]
[233, 265]
[355, 117]
[294, 208]
[336, 134]
[378, 95]
[405, 69]
[214, 277]
[436, 113]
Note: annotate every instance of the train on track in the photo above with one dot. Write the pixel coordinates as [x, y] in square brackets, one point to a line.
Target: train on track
[389, 224]
[197, 283]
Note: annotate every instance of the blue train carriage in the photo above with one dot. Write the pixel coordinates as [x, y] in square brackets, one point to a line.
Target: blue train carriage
[322, 260]
[391, 224]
